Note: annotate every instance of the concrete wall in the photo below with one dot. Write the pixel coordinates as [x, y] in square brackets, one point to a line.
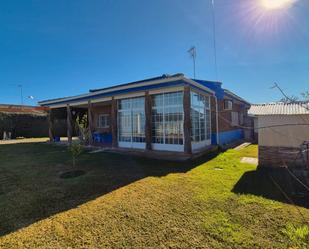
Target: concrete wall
[276, 157]
[287, 134]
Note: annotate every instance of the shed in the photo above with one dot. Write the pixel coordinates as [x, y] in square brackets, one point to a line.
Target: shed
[283, 133]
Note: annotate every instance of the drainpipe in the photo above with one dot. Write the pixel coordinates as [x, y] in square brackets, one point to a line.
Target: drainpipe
[217, 120]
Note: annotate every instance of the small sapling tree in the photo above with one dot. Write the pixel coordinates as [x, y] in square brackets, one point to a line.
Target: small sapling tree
[75, 149]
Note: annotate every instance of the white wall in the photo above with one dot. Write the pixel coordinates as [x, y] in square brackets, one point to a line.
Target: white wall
[289, 135]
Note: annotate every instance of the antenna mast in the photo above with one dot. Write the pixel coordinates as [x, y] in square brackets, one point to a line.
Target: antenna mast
[192, 52]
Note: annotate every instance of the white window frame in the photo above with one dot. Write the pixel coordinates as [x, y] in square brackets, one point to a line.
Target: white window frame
[131, 144]
[164, 146]
[107, 120]
[229, 106]
[235, 118]
[203, 143]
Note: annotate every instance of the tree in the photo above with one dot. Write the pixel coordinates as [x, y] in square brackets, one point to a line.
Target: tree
[289, 99]
[83, 129]
[76, 149]
[305, 95]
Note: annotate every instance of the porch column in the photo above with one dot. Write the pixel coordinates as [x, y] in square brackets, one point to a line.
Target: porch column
[90, 122]
[148, 124]
[114, 112]
[50, 125]
[69, 124]
[187, 120]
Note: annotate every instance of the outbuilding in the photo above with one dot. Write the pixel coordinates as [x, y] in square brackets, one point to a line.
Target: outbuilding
[283, 134]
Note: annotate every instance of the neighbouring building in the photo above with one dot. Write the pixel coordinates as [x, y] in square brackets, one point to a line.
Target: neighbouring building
[283, 134]
[166, 113]
[26, 121]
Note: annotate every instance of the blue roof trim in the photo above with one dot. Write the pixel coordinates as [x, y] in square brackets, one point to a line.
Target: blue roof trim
[129, 90]
[213, 85]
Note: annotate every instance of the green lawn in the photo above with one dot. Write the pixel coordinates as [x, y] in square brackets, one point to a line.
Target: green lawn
[128, 202]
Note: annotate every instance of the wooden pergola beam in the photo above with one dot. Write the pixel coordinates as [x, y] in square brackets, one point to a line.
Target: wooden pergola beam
[69, 124]
[90, 122]
[114, 112]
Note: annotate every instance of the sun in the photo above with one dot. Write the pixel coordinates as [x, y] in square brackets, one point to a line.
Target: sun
[276, 4]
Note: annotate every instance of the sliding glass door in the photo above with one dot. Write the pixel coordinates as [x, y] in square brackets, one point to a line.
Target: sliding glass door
[167, 121]
[131, 123]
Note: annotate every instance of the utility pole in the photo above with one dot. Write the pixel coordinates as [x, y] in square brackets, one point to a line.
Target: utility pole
[214, 36]
[192, 52]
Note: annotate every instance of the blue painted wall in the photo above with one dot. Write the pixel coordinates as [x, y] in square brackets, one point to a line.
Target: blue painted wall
[227, 137]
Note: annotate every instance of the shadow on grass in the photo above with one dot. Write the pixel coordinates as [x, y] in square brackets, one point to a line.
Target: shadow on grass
[31, 189]
[274, 184]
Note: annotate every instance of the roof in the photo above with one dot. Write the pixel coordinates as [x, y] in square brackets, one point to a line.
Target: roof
[213, 85]
[233, 95]
[22, 109]
[166, 80]
[280, 108]
[136, 86]
[164, 76]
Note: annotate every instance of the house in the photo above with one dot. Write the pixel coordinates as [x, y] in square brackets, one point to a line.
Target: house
[283, 133]
[166, 113]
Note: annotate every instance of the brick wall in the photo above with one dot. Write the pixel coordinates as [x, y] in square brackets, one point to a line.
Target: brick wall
[274, 157]
[225, 116]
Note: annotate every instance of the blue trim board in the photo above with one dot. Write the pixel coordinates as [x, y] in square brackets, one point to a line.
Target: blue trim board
[135, 89]
[227, 137]
[213, 85]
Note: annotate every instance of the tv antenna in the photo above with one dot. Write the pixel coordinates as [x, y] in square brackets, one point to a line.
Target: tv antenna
[192, 52]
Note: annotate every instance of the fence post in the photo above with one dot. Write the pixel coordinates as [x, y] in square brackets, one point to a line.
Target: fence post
[50, 125]
[90, 122]
[69, 124]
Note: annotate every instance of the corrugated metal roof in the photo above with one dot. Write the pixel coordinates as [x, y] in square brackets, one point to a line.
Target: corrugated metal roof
[19, 109]
[300, 107]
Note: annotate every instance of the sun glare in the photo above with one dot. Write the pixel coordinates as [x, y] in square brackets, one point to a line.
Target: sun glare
[276, 4]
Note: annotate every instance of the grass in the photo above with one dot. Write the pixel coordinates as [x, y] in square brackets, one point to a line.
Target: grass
[128, 202]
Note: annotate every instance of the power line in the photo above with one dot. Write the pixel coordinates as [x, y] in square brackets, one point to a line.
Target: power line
[214, 36]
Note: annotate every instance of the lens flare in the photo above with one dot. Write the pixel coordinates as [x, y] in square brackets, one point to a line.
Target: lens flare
[276, 4]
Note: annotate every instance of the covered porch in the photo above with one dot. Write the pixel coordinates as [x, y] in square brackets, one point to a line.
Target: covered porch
[174, 119]
[95, 117]
[169, 113]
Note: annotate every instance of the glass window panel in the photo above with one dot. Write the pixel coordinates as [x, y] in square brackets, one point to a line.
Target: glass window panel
[200, 117]
[167, 118]
[103, 121]
[131, 120]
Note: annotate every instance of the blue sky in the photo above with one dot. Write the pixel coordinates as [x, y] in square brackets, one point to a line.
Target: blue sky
[60, 48]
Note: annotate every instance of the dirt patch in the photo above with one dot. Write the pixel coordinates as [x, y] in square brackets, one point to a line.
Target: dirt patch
[72, 174]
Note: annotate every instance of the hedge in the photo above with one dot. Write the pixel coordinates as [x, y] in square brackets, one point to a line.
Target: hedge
[29, 125]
